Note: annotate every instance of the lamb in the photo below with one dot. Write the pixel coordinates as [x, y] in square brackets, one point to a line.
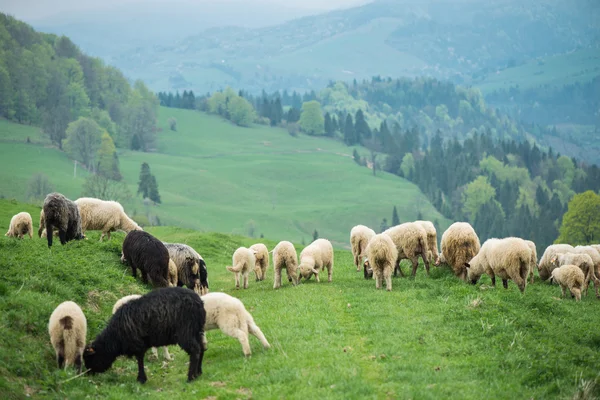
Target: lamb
[431, 238]
[262, 260]
[127, 299]
[410, 240]
[68, 328]
[381, 258]
[595, 255]
[63, 214]
[284, 256]
[583, 261]
[243, 261]
[228, 314]
[459, 245]
[161, 317]
[359, 238]
[508, 258]
[144, 251]
[546, 266]
[105, 216]
[533, 262]
[191, 268]
[569, 276]
[20, 224]
[314, 258]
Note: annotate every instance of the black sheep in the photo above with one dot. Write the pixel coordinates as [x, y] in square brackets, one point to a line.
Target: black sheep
[162, 317]
[144, 251]
[63, 214]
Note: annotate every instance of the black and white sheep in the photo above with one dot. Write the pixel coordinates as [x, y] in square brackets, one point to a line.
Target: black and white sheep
[63, 214]
[68, 328]
[191, 268]
[162, 317]
[144, 251]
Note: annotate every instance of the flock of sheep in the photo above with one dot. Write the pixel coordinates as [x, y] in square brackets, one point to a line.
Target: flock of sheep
[171, 314]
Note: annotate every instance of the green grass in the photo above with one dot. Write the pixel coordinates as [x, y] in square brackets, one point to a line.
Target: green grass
[214, 176]
[431, 337]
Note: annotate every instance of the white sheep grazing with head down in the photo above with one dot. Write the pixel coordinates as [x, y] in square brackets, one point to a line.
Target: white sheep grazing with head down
[582, 260]
[571, 277]
[20, 224]
[314, 258]
[546, 266]
[285, 257]
[243, 262]
[381, 258]
[105, 216]
[459, 245]
[508, 258]
[410, 240]
[595, 256]
[68, 329]
[432, 246]
[262, 260]
[359, 238]
[129, 298]
[228, 314]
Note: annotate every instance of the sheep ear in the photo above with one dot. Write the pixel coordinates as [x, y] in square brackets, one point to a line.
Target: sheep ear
[467, 265]
[90, 350]
[315, 271]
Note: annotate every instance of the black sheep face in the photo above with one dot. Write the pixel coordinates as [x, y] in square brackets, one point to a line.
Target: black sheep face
[367, 270]
[203, 277]
[96, 362]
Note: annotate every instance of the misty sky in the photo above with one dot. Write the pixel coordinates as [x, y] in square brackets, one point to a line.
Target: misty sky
[40, 9]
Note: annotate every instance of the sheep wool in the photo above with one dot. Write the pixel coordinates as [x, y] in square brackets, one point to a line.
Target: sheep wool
[314, 258]
[381, 258]
[105, 216]
[582, 260]
[191, 268]
[432, 246]
[359, 238]
[595, 256]
[68, 329]
[228, 314]
[144, 251]
[459, 245]
[571, 277]
[243, 261]
[546, 266]
[410, 240]
[533, 262]
[63, 214]
[285, 257]
[261, 259]
[20, 224]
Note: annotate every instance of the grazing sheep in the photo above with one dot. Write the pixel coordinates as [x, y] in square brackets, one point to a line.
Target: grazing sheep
[533, 262]
[20, 225]
[459, 245]
[191, 268]
[595, 255]
[63, 214]
[261, 259]
[314, 258]
[569, 276]
[582, 260]
[68, 328]
[508, 258]
[228, 314]
[546, 266]
[432, 246]
[127, 299]
[410, 240]
[162, 317]
[381, 258]
[243, 261]
[284, 256]
[144, 251]
[105, 216]
[359, 238]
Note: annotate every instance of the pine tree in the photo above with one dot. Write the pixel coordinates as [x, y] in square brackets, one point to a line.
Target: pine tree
[315, 235]
[384, 225]
[395, 219]
[153, 190]
[361, 127]
[328, 125]
[349, 135]
[145, 181]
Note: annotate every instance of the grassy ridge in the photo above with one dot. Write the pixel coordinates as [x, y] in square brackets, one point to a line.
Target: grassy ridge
[431, 337]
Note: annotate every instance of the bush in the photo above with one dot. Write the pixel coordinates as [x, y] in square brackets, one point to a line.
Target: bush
[173, 124]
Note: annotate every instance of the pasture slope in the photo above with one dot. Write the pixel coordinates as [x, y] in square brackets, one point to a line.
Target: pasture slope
[430, 338]
[217, 177]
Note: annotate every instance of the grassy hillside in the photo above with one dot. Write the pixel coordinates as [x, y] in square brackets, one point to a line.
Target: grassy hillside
[214, 176]
[431, 337]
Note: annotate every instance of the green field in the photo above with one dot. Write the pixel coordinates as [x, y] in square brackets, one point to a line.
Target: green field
[214, 176]
[430, 338]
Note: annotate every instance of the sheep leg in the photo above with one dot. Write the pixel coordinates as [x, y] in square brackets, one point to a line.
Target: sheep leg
[108, 235]
[78, 362]
[237, 280]
[195, 360]
[257, 273]
[255, 330]
[141, 378]
[240, 335]
[200, 358]
[62, 235]
[377, 277]
[415, 265]
[204, 341]
[317, 276]
[277, 279]
[60, 359]
[388, 281]
[562, 289]
[245, 280]
[505, 283]
[292, 275]
[133, 271]
[154, 353]
[166, 354]
[329, 272]
[493, 279]
[144, 276]
[425, 257]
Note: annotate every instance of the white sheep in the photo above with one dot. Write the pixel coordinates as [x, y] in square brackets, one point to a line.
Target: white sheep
[129, 298]
[243, 261]
[381, 259]
[314, 258]
[228, 314]
[359, 238]
[582, 260]
[20, 224]
[571, 277]
[595, 255]
[432, 246]
[459, 245]
[509, 258]
[533, 262]
[545, 265]
[68, 329]
[410, 240]
[284, 256]
[262, 260]
[105, 216]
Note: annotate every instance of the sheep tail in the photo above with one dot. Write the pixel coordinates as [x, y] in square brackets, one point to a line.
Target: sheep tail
[253, 329]
[237, 268]
[69, 338]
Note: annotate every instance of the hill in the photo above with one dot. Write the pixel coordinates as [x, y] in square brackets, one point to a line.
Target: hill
[214, 176]
[430, 337]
